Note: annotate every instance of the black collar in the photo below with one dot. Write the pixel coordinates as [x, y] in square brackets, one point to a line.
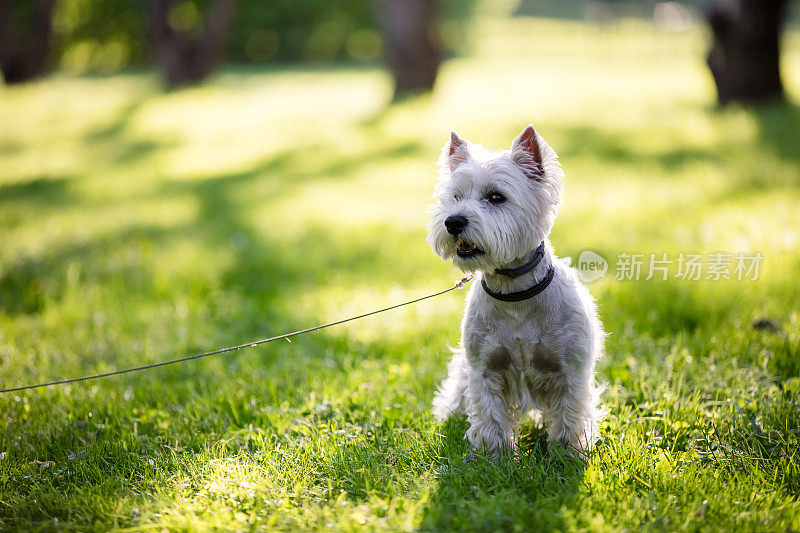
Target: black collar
[518, 296]
[538, 254]
[524, 294]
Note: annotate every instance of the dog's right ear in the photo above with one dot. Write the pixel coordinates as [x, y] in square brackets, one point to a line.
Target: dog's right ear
[455, 151]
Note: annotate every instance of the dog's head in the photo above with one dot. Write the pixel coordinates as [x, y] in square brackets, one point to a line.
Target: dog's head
[494, 207]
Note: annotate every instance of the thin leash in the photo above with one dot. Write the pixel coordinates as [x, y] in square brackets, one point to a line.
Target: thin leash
[458, 285]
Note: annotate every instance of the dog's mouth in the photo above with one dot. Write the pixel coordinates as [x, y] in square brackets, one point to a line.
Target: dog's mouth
[466, 250]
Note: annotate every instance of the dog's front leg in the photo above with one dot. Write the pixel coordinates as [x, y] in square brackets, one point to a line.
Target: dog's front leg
[491, 425]
[570, 415]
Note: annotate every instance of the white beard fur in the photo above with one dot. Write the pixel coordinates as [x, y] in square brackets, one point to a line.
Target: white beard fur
[535, 356]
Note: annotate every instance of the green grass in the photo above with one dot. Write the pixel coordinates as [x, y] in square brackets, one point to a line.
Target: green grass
[137, 226]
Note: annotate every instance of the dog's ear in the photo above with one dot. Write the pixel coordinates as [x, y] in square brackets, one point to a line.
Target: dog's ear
[455, 151]
[526, 153]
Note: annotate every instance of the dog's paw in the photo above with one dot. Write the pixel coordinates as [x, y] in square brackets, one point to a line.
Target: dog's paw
[442, 411]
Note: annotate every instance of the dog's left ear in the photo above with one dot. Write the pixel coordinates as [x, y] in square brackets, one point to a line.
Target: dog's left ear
[526, 153]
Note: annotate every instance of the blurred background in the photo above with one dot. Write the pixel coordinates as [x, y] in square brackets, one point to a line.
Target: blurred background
[187, 39]
[179, 175]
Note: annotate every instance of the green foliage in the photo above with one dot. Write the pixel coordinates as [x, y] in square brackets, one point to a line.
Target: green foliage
[305, 30]
[99, 35]
[106, 35]
[139, 225]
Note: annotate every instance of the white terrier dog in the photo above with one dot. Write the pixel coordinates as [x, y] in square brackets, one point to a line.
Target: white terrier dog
[530, 335]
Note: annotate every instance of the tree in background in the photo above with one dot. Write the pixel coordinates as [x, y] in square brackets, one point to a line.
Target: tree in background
[26, 34]
[186, 45]
[410, 35]
[745, 52]
[186, 38]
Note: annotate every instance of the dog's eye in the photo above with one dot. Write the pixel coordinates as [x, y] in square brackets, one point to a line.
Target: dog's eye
[456, 198]
[495, 198]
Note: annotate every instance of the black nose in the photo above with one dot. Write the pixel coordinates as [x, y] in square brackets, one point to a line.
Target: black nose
[455, 224]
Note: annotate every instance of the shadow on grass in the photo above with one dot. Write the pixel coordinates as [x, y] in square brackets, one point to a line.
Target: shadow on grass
[264, 268]
[617, 148]
[778, 126]
[268, 267]
[477, 494]
[43, 193]
[28, 285]
[114, 142]
[683, 306]
[779, 129]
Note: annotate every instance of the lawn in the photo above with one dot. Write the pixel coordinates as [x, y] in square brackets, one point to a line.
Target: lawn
[138, 226]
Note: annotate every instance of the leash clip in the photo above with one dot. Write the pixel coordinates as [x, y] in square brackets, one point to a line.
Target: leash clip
[463, 281]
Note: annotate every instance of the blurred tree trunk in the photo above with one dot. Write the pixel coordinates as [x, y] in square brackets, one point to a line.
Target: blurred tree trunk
[186, 55]
[745, 52]
[26, 33]
[412, 48]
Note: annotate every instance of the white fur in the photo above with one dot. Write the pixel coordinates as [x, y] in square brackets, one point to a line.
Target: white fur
[538, 354]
